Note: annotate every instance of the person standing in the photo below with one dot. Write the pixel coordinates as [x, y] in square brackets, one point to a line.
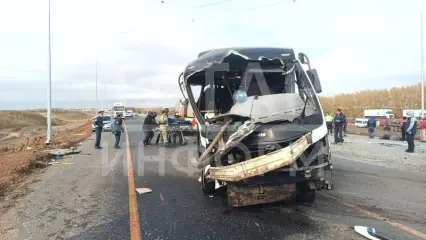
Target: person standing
[403, 126]
[423, 129]
[163, 121]
[147, 127]
[371, 124]
[117, 129]
[339, 122]
[99, 124]
[154, 116]
[329, 122]
[410, 131]
[345, 125]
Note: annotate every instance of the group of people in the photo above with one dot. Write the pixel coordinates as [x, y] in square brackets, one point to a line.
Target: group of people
[408, 127]
[339, 123]
[150, 123]
[117, 128]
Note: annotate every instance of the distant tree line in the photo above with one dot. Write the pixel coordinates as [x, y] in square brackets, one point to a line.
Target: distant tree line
[353, 104]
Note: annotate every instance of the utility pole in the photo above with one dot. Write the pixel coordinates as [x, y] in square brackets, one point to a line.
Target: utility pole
[103, 100]
[422, 70]
[49, 91]
[96, 86]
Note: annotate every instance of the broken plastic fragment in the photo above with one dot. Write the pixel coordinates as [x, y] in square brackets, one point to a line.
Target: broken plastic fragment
[143, 190]
[368, 232]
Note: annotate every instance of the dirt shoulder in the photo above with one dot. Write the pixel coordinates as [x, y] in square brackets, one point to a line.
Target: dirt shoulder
[22, 138]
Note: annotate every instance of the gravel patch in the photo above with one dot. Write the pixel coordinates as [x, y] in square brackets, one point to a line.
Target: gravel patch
[385, 153]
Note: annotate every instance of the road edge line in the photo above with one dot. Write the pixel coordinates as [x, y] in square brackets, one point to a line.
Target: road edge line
[135, 227]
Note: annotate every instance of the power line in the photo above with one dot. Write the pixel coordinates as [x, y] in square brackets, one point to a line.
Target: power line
[211, 4]
[252, 8]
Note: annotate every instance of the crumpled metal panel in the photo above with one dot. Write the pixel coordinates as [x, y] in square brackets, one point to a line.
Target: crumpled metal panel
[262, 164]
[243, 131]
[273, 107]
[258, 194]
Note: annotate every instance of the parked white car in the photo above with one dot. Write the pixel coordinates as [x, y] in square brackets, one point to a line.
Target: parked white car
[107, 121]
[361, 122]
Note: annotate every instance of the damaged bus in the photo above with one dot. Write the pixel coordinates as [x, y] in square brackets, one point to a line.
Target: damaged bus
[261, 128]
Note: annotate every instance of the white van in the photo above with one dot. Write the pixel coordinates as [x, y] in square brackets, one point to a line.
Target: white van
[361, 122]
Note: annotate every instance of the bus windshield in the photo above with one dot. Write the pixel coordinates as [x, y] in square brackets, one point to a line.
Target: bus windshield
[118, 108]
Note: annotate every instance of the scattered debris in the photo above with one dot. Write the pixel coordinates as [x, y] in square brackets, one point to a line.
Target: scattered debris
[60, 163]
[58, 153]
[40, 164]
[368, 232]
[143, 190]
[390, 144]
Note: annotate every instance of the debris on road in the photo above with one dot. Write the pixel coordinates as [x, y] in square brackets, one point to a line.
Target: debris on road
[143, 190]
[369, 233]
[60, 163]
[57, 153]
[40, 164]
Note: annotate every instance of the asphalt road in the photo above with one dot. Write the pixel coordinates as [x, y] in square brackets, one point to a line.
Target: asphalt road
[90, 200]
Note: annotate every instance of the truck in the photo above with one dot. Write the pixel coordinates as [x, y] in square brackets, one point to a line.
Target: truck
[118, 108]
[417, 113]
[379, 113]
[261, 128]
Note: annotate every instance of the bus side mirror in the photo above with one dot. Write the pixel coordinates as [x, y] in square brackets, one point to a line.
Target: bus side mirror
[313, 76]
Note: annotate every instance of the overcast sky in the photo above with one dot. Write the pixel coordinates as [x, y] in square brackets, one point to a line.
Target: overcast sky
[141, 46]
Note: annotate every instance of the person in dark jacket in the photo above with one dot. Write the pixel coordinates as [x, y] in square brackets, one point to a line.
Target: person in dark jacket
[339, 123]
[345, 125]
[410, 131]
[147, 127]
[371, 124]
[117, 129]
[154, 115]
[99, 124]
[403, 125]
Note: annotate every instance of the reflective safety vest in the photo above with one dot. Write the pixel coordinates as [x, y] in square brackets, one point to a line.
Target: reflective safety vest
[328, 118]
[163, 119]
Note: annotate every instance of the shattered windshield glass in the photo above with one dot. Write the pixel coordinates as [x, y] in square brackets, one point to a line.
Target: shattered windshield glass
[263, 92]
